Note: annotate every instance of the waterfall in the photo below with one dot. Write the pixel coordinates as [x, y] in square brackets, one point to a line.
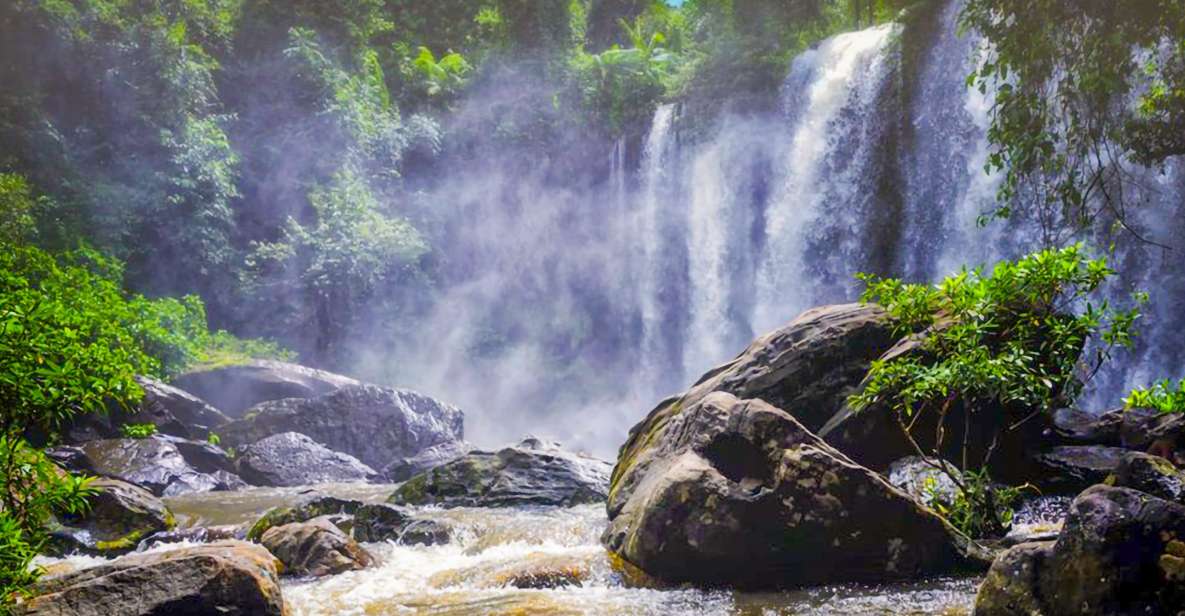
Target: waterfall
[829, 94]
[651, 260]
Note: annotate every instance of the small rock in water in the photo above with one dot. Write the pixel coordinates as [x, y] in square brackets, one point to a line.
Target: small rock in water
[436, 455]
[197, 534]
[120, 515]
[381, 522]
[313, 505]
[315, 548]
[1151, 474]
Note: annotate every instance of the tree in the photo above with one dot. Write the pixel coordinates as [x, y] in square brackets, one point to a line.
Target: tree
[1083, 90]
[993, 353]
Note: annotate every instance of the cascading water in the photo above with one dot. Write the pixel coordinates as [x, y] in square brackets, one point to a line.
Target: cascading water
[828, 93]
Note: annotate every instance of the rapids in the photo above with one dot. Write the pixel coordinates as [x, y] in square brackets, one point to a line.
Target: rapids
[470, 575]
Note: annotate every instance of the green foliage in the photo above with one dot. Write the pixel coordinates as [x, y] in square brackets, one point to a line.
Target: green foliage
[32, 490]
[1164, 396]
[213, 439]
[445, 77]
[620, 86]
[978, 508]
[138, 431]
[1063, 74]
[1009, 344]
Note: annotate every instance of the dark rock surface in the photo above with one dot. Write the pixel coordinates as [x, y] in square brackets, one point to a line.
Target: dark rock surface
[171, 410]
[234, 389]
[403, 469]
[312, 505]
[292, 459]
[120, 515]
[196, 534]
[1150, 474]
[315, 548]
[231, 578]
[533, 472]
[381, 522]
[1120, 552]
[736, 492]
[1072, 468]
[374, 424]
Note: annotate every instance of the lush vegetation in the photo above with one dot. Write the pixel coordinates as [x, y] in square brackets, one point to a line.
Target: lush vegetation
[1009, 344]
[1082, 91]
[1164, 396]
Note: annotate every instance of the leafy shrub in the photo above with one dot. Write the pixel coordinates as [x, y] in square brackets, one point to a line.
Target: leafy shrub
[1009, 343]
[138, 431]
[978, 508]
[213, 439]
[1164, 396]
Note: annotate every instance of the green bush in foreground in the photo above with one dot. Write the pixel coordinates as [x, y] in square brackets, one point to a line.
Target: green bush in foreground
[1009, 343]
[1163, 396]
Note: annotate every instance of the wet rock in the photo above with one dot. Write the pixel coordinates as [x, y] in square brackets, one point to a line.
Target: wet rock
[533, 472]
[536, 570]
[1150, 474]
[1074, 426]
[292, 459]
[312, 505]
[315, 548]
[196, 534]
[374, 424]
[1073, 468]
[153, 463]
[737, 492]
[171, 410]
[120, 515]
[1120, 552]
[920, 479]
[203, 456]
[381, 522]
[234, 389]
[231, 578]
[403, 469]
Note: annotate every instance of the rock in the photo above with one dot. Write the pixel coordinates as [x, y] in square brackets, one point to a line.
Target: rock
[403, 469]
[1150, 474]
[535, 570]
[313, 505]
[530, 473]
[153, 463]
[1077, 427]
[1120, 552]
[918, 478]
[120, 515]
[315, 548]
[291, 459]
[203, 456]
[230, 578]
[1073, 468]
[234, 389]
[380, 522]
[174, 412]
[374, 424]
[738, 493]
[196, 534]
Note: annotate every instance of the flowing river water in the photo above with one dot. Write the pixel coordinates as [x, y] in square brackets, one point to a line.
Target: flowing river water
[470, 575]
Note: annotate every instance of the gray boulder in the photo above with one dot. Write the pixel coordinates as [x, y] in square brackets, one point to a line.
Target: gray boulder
[735, 492]
[230, 578]
[374, 424]
[315, 548]
[533, 472]
[1072, 468]
[154, 463]
[118, 517]
[171, 410]
[312, 504]
[234, 389]
[1120, 552]
[403, 469]
[292, 459]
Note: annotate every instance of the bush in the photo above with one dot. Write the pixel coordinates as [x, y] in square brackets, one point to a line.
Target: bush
[1009, 343]
[138, 431]
[1164, 396]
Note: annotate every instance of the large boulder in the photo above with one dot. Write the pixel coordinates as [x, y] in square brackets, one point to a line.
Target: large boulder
[736, 492]
[118, 517]
[292, 459]
[234, 389]
[171, 410]
[533, 472]
[229, 578]
[315, 548]
[1150, 474]
[403, 469]
[1120, 552]
[153, 463]
[374, 424]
